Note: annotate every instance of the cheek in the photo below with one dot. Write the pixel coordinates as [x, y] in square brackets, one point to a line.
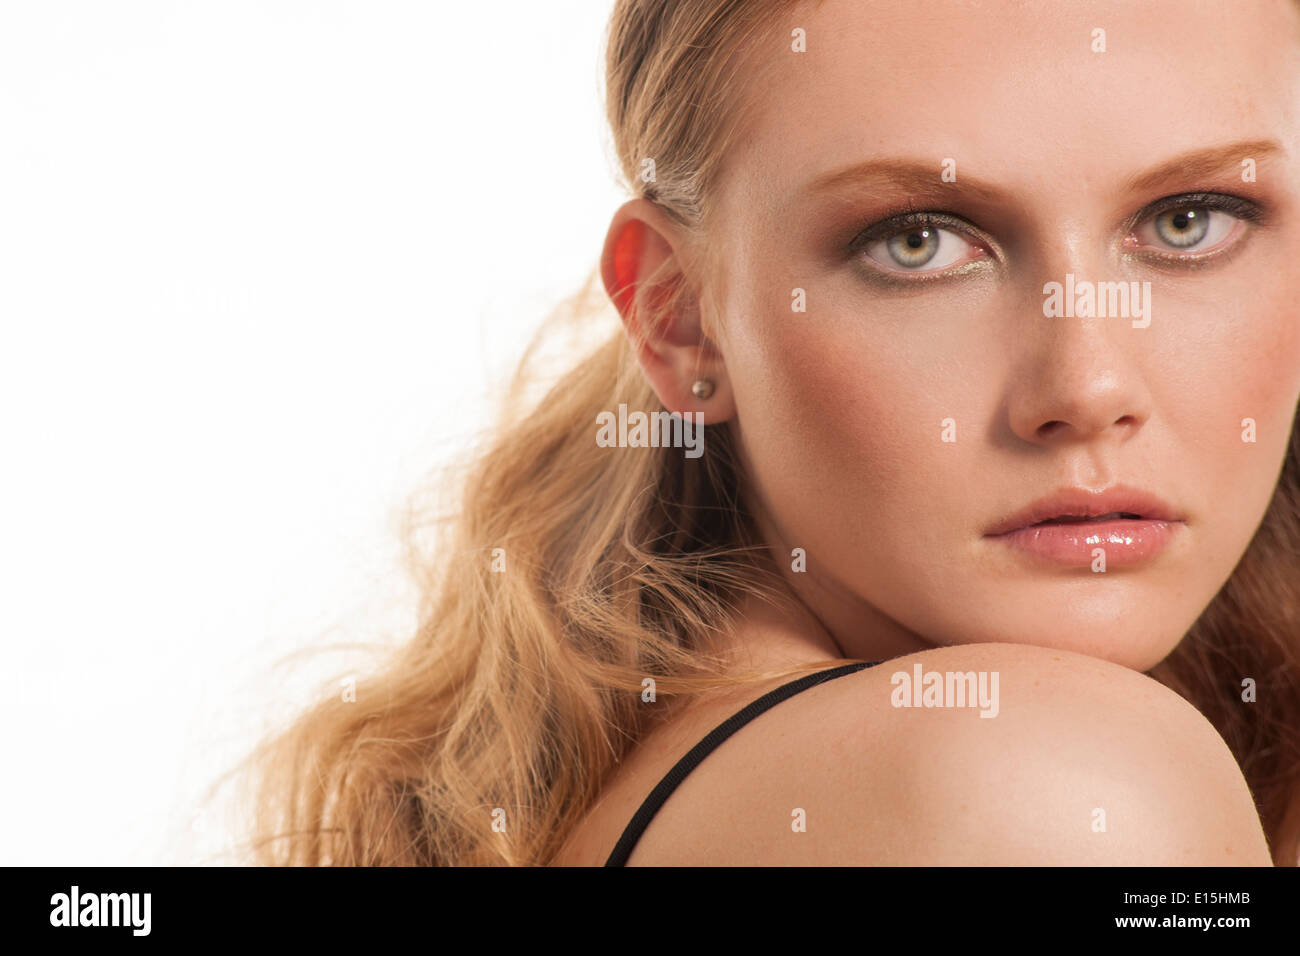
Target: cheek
[1264, 354]
[1237, 400]
[839, 429]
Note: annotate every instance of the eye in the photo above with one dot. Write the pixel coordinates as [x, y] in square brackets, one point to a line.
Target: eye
[922, 245]
[1191, 229]
[1190, 225]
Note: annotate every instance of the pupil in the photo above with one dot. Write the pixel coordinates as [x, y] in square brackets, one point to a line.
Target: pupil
[1183, 219]
[914, 240]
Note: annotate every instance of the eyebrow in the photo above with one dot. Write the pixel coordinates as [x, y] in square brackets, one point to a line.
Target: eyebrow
[922, 176]
[1204, 162]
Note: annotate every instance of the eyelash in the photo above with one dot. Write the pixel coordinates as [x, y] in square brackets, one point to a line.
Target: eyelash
[909, 220]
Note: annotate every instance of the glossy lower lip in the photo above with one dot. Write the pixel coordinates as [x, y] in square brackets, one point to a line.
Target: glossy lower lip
[1124, 540]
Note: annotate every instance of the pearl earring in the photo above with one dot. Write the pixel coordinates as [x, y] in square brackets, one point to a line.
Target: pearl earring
[702, 388]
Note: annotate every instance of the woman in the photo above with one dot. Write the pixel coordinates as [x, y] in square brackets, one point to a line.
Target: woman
[988, 317]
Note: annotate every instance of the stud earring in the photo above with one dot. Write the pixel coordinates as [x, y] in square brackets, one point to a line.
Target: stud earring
[702, 388]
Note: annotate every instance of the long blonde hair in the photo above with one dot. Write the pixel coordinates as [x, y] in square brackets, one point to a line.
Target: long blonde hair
[568, 574]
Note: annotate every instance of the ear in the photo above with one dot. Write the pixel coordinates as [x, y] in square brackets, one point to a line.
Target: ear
[642, 267]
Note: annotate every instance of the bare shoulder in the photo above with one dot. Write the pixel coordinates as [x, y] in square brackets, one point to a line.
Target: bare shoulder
[984, 754]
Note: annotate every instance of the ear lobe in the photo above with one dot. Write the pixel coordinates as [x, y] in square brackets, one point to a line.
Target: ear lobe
[661, 315]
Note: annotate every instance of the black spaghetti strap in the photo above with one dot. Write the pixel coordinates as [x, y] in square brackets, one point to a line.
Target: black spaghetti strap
[647, 810]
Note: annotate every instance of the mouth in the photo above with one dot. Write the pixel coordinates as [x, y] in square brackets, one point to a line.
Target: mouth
[1083, 519]
[1074, 527]
[1074, 505]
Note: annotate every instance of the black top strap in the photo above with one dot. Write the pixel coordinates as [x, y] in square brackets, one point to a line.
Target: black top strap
[671, 780]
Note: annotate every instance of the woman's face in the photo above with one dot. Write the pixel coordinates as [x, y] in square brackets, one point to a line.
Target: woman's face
[924, 395]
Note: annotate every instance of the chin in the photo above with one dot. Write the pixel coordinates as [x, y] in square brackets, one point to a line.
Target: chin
[1124, 646]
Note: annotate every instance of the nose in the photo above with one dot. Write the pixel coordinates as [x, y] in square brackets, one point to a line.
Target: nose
[1077, 378]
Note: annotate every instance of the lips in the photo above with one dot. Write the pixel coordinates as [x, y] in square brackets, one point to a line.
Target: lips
[1074, 519]
[1081, 506]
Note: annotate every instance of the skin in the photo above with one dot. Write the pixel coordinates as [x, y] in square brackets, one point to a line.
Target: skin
[838, 408]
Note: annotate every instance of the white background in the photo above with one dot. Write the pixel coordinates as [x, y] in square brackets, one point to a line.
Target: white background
[261, 266]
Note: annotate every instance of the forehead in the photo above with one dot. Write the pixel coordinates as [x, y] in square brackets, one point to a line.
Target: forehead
[1018, 91]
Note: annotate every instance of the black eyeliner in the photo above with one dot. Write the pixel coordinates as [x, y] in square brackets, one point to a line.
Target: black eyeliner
[901, 221]
[909, 217]
[1224, 202]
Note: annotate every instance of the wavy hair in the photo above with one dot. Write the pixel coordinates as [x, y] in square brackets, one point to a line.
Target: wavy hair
[565, 575]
